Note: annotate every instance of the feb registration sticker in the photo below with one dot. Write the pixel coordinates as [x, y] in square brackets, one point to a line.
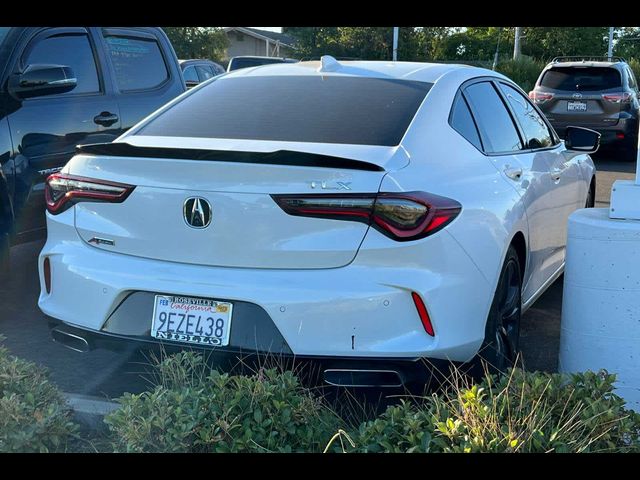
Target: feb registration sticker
[191, 320]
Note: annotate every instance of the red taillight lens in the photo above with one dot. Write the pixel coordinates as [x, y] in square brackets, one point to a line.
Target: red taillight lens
[46, 271]
[540, 97]
[622, 97]
[422, 312]
[400, 216]
[62, 191]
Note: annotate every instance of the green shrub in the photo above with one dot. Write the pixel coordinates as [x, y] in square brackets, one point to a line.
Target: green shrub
[519, 412]
[34, 416]
[524, 71]
[196, 409]
[634, 63]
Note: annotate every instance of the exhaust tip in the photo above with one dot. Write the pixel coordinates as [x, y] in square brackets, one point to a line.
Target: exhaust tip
[69, 340]
[340, 377]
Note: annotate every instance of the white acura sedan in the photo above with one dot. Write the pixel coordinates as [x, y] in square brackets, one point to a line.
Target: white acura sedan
[366, 215]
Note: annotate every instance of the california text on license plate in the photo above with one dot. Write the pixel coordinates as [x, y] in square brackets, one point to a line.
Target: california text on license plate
[577, 106]
[192, 320]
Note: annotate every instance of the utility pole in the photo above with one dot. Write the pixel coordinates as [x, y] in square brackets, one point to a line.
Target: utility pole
[516, 43]
[610, 51]
[395, 43]
[495, 57]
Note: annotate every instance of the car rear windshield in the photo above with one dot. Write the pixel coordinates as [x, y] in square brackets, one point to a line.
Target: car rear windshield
[306, 108]
[581, 78]
[238, 63]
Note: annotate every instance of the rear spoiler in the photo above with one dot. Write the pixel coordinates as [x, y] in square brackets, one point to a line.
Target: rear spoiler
[280, 157]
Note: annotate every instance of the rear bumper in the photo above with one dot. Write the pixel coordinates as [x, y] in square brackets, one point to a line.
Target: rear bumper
[332, 369]
[363, 310]
[626, 126]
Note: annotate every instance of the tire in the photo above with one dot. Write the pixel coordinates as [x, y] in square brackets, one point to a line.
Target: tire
[591, 196]
[500, 347]
[630, 151]
[4, 254]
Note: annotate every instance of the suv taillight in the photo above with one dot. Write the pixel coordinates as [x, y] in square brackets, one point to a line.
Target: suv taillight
[622, 97]
[400, 216]
[61, 191]
[540, 97]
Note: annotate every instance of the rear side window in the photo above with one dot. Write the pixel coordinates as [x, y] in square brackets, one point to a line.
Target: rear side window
[462, 121]
[535, 129]
[497, 129]
[632, 79]
[305, 108]
[190, 74]
[138, 62]
[204, 72]
[581, 78]
[72, 50]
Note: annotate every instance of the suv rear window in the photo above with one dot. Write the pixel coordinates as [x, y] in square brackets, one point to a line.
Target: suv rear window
[581, 78]
[306, 108]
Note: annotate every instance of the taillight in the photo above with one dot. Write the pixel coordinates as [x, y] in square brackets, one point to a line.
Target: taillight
[622, 97]
[62, 191]
[540, 97]
[400, 216]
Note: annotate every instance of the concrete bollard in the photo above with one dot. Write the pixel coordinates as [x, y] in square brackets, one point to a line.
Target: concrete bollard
[601, 301]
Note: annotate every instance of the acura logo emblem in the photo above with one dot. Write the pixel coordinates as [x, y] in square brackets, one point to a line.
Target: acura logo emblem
[197, 212]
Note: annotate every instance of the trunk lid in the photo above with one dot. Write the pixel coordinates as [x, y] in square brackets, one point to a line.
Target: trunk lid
[236, 178]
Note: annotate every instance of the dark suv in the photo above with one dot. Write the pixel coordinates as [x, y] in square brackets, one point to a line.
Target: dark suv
[63, 86]
[598, 93]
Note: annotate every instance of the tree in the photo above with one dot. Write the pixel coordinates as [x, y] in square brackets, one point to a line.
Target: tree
[365, 43]
[198, 42]
[547, 42]
[627, 43]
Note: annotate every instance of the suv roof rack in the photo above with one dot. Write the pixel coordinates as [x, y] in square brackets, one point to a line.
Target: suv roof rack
[588, 58]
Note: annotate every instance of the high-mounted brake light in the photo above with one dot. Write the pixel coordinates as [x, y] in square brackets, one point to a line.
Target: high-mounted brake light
[622, 97]
[540, 97]
[62, 191]
[400, 216]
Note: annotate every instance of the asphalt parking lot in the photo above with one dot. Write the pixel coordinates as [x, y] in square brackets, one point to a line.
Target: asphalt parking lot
[105, 373]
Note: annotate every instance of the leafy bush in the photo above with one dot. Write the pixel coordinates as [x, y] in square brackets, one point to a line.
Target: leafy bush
[196, 409]
[34, 416]
[519, 412]
[634, 63]
[524, 71]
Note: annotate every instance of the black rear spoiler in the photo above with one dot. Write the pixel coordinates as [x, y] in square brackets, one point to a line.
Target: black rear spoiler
[280, 157]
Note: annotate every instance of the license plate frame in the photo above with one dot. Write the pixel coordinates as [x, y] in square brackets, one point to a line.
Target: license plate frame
[192, 320]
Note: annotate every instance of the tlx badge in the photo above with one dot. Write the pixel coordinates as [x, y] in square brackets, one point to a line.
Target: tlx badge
[331, 185]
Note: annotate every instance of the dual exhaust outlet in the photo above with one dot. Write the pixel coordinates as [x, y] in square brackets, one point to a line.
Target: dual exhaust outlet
[338, 377]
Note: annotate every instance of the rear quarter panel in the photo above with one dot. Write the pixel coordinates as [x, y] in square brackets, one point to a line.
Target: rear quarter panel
[445, 163]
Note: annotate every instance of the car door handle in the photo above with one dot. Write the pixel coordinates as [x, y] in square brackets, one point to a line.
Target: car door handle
[105, 119]
[556, 173]
[514, 173]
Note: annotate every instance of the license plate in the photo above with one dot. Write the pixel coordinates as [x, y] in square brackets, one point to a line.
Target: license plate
[191, 320]
[576, 106]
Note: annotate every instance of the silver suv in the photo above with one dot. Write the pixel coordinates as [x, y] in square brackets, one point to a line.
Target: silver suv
[596, 92]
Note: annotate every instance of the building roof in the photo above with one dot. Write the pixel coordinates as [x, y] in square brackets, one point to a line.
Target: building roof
[283, 38]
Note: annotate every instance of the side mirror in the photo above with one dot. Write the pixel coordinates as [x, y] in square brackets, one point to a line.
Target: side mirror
[580, 139]
[37, 80]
